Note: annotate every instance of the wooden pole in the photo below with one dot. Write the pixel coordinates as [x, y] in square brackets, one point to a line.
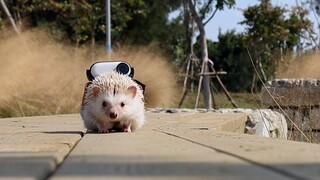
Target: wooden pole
[224, 88]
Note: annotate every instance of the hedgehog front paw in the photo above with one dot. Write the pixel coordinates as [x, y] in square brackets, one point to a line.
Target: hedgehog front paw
[126, 128]
[102, 128]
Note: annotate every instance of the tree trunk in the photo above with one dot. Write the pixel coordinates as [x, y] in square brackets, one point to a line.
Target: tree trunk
[204, 57]
[190, 57]
[189, 25]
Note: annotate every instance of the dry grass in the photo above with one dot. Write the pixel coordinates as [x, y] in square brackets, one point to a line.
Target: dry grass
[152, 69]
[42, 77]
[306, 66]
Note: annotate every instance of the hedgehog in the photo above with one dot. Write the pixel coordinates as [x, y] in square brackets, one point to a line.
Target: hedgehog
[113, 101]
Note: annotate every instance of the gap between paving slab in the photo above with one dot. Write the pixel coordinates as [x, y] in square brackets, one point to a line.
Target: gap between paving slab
[150, 154]
[169, 146]
[32, 147]
[186, 146]
[292, 159]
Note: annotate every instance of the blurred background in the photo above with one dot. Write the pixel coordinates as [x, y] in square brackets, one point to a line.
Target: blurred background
[47, 45]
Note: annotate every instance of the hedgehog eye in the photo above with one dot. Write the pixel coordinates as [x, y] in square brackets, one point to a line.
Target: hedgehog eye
[104, 104]
[122, 104]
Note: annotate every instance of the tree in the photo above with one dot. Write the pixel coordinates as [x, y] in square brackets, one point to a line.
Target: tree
[84, 20]
[271, 32]
[230, 54]
[314, 7]
[148, 21]
[199, 17]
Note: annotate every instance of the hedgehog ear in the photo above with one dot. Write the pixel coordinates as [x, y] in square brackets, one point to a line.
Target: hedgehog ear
[95, 90]
[132, 91]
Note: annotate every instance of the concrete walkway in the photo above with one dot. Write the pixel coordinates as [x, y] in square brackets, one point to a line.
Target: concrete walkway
[169, 146]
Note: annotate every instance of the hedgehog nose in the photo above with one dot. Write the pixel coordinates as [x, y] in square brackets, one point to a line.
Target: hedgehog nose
[113, 115]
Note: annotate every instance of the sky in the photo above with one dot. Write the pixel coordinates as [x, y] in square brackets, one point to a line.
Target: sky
[228, 19]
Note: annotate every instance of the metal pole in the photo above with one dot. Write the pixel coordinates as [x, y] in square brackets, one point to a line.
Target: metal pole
[108, 29]
[6, 10]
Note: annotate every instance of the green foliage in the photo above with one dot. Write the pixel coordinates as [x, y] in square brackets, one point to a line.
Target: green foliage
[221, 3]
[233, 58]
[176, 41]
[133, 21]
[207, 6]
[229, 54]
[273, 31]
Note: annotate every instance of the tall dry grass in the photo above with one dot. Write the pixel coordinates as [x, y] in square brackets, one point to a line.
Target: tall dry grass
[306, 66]
[40, 76]
[153, 70]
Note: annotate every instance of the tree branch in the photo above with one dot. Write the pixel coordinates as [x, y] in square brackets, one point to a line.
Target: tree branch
[214, 13]
[205, 9]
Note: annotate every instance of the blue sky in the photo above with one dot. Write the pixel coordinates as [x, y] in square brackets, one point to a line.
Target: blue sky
[228, 19]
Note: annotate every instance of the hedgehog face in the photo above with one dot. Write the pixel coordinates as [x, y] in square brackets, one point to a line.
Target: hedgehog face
[112, 100]
[115, 106]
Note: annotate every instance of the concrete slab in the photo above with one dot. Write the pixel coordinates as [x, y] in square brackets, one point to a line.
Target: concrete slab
[290, 158]
[32, 147]
[149, 153]
[230, 122]
[296, 159]
[170, 146]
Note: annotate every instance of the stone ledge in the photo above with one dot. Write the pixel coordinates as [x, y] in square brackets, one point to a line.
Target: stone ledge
[292, 92]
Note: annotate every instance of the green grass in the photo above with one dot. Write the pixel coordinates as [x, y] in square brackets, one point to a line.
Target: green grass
[243, 100]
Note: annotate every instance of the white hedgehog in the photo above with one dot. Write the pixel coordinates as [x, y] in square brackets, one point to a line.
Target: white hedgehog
[113, 101]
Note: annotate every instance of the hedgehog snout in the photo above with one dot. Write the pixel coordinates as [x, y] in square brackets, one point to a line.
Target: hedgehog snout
[113, 115]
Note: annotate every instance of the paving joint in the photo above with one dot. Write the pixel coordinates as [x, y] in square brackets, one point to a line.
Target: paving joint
[169, 146]
[270, 168]
[58, 165]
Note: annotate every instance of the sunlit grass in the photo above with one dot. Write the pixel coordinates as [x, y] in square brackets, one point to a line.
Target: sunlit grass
[40, 76]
